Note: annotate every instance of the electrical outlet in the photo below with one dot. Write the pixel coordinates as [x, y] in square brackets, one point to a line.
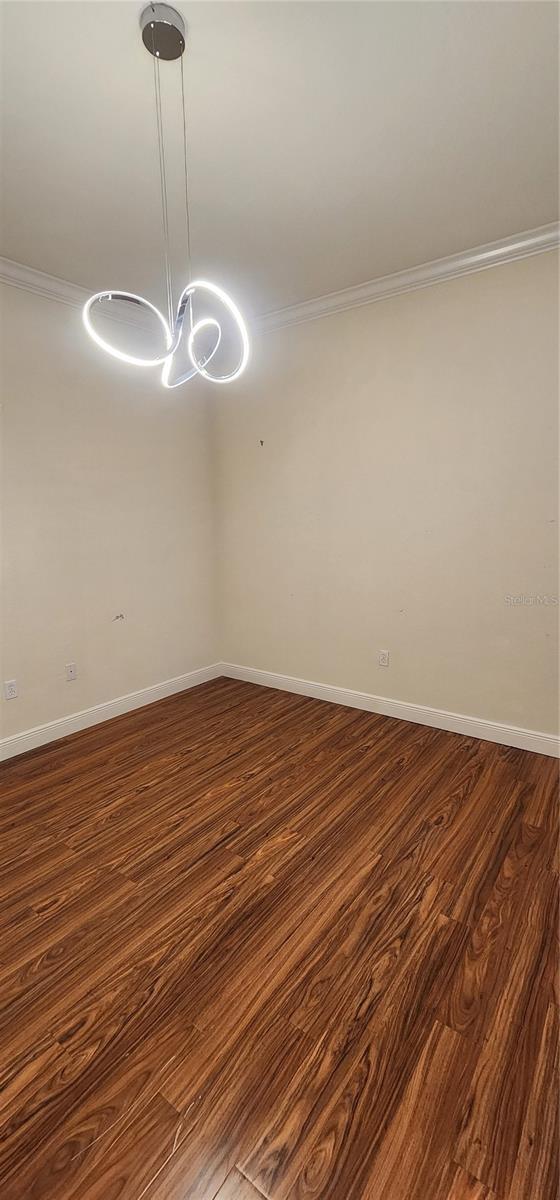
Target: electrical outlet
[383, 658]
[10, 689]
[71, 671]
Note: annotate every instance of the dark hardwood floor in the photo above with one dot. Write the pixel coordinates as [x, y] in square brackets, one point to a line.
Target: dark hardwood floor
[256, 945]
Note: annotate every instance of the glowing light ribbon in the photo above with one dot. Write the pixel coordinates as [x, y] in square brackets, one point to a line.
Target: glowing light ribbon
[173, 339]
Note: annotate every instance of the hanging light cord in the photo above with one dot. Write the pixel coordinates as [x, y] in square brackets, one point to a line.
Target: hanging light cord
[187, 215]
[163, 186]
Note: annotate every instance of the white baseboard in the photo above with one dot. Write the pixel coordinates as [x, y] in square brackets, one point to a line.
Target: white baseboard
[488, 731]
[19, 743]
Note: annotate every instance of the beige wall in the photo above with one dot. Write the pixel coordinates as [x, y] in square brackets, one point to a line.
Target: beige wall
[406, 486]
[107, 508]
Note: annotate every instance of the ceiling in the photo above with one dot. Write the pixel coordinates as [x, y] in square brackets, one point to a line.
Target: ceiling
[330, 143]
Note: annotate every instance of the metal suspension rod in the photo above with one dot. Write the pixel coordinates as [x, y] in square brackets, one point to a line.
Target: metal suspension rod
[185, 159]
[163, 188]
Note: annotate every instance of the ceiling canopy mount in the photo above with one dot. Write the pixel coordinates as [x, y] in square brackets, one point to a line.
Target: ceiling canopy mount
[163, 31]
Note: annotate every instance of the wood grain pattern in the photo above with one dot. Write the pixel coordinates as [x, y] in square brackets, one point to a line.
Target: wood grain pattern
[237, 1187]
[413, 1151]
[259, 946]
[121, 1170]
[463, 1186]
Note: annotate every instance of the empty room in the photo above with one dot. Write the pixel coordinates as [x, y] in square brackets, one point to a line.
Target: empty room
[279, 820]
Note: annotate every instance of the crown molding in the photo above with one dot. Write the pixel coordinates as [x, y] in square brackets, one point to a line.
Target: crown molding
[480, 258]
[29, 280]
[50, 287]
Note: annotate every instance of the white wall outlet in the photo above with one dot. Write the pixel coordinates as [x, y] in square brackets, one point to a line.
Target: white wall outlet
[383, 658]
[10, 689]
[71, 671]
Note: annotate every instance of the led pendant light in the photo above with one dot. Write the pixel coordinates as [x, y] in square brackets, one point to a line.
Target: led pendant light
[163, 34]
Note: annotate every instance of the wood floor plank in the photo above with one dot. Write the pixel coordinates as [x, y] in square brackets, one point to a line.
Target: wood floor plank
[260, 947]
[462, 1186]
[412, 1159]
[99, 890]
[237, 1187]
[537, 1166]
[481, 974]
[221, 1092]
[24, 1081]
[372, 1042]
[80, 1116]
[59, 978]
[491, 1137]
[541, 806]
[126, 1167]
[468, 854]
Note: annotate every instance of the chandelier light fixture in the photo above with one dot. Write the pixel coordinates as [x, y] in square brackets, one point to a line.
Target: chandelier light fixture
[163, 34]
